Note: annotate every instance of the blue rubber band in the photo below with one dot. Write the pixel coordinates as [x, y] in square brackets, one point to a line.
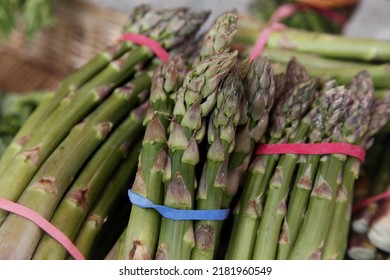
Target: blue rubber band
[178, 214]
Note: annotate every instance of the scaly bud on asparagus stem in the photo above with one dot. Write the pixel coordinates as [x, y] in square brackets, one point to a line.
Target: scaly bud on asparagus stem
[219, 37]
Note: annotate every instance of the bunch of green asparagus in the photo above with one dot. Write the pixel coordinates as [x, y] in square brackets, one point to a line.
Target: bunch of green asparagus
[324, 55]
[76, 152]
[193, 112]
[298, 206]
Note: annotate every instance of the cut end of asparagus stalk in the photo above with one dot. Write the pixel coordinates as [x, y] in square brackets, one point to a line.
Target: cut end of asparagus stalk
[139, 251]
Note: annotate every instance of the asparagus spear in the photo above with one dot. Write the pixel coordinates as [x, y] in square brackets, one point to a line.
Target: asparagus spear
[336, 242]
[98, 215]
[284, 122]
[195, 100]
[333, 102]
[52, 179]
[74, 207]
[259, 98]
[143, 226]
[169, 33]
[221, 134]
[310, 241]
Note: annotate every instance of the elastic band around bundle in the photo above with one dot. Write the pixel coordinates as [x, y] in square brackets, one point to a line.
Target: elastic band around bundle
[313, 149]
[40, 221]
[153, 45]
[178, 214]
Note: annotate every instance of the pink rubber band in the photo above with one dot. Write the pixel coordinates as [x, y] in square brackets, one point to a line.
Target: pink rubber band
[37, 219]
[153, 45]
[283, 12]
[312, 149]
[364, 203]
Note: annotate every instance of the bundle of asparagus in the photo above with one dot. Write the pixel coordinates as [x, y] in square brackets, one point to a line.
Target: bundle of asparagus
[297, 207]
[177, 146]
[323, 55]
[201, 115]
[60, 160]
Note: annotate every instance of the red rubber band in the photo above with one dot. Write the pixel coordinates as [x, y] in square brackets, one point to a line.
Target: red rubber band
[312, 149]
[37, 219]
[153, 45]
[364, 203]
[286, 11]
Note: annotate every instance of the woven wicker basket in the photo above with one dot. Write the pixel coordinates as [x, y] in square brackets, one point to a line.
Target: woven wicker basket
[81, 30]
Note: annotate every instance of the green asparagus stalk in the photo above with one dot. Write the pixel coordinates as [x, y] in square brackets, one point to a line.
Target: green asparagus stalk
[258, 98]
[333, 102]
[379, 116]
[144, 224]
[98, 215]
[362, 87]
[337, 46]
[52, 179]
[317, 223]
[284, 122]
[327, 68]
[362, 221]
[195, 100]
[221, 135]
[74, 207]
[169, 33]
[323, 117]
[344, 74]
